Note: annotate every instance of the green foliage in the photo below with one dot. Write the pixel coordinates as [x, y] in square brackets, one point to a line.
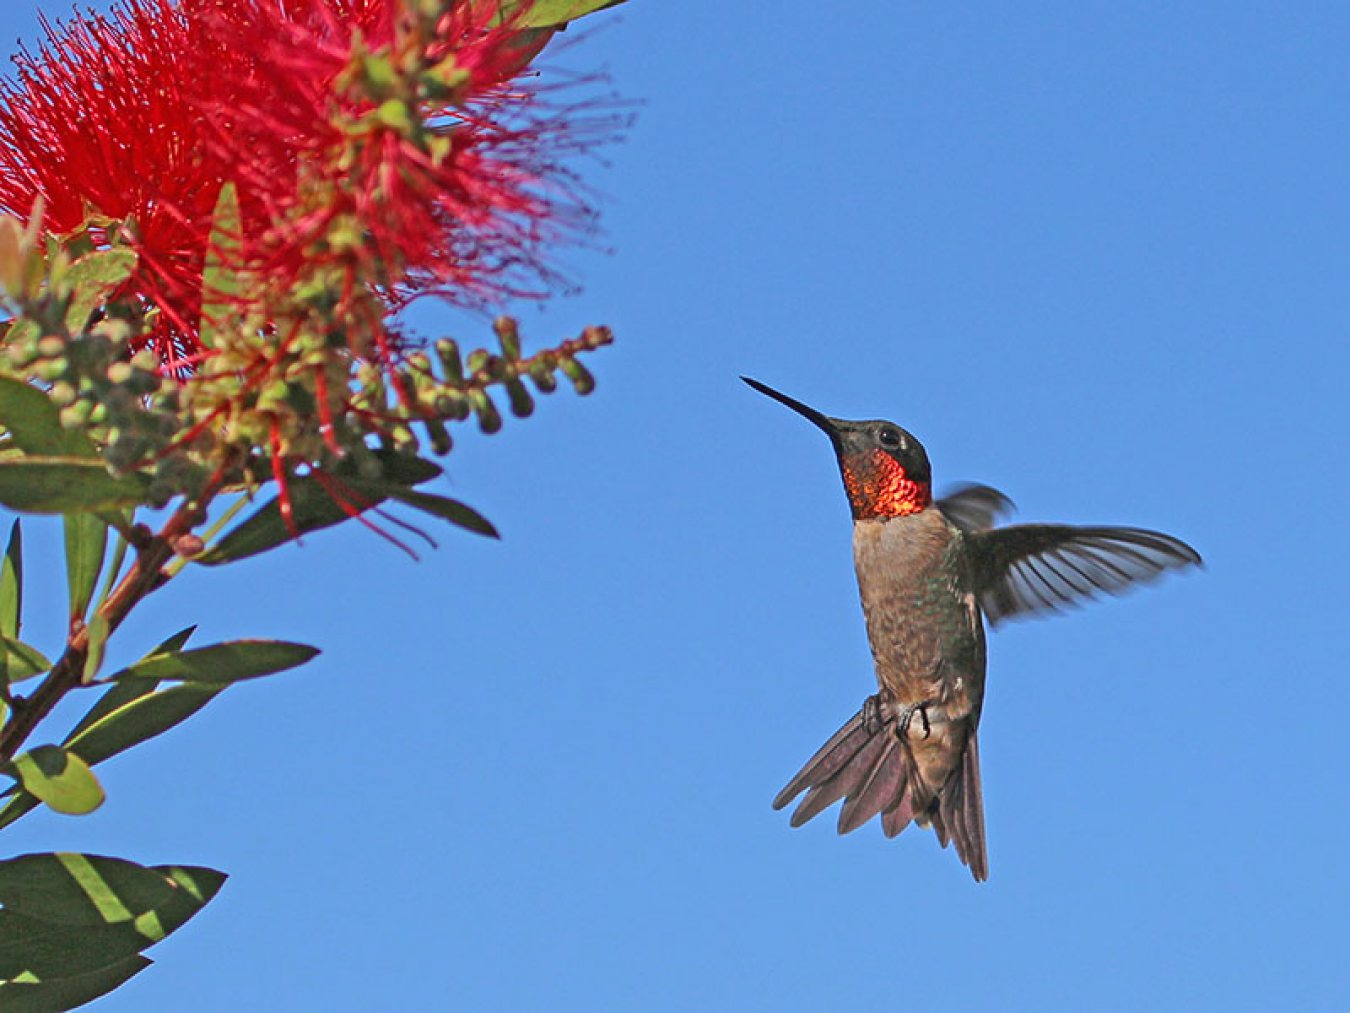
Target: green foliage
[102, 415]
[11, 584]
[86, 542]
[30, 994]
[62, 485]
[221, 663]
[73, 926]
[221, 285]
[451, 510]
[60, 778]
[91, 279]
[80, 889]
[548, 13]
[33, 423]
[317, 503]
[21, 660]
[124, 722]
[120, 694]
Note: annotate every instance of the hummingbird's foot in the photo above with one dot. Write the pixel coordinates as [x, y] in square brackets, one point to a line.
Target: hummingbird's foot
[871, 714]
[907, 717]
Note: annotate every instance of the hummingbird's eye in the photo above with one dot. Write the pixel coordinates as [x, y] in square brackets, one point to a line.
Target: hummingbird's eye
[888, 437]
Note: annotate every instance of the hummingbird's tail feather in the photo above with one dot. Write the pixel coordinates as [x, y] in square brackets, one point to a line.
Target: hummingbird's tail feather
[880, 790]
[846, 782]
[873, 769]
[864, 763]
[842, 747]
[958, 812]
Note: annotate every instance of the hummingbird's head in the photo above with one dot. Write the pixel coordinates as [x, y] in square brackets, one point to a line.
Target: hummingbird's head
[886, 471]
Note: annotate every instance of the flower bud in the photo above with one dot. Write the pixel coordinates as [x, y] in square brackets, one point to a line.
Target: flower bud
[489, 419]
[522, 405]
[580, 376]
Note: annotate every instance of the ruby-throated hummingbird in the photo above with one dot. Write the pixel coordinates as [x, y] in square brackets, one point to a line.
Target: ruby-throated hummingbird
[927, 572]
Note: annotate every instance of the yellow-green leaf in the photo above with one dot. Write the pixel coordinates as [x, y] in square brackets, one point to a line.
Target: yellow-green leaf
[92, 278]
[545, 13]
[22, 661]
[221, 282]
[60, 778]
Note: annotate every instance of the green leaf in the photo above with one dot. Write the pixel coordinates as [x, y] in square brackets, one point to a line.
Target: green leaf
[76, 889]
[86, 543]
[17, 808]
[46, 949]
[34, 423]
[122, 693]
[219, 663]
[543, 13]
[112, 571]
[60, 485]
[140, 719]
[27, 996]
[451, 510]
[11, 584]
[92, 278]
[60, 778]
[11, 597]
[22, 661]
[313, 507]
[33, 949]
[221, 283]
[98, 640]
[127, 725]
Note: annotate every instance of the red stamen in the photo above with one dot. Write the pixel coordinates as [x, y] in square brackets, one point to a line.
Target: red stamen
[283, 488]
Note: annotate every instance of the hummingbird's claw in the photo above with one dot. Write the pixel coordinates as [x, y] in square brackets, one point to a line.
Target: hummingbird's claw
[902, 726]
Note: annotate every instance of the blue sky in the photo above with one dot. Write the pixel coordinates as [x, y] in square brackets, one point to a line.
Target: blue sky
[1094, 254]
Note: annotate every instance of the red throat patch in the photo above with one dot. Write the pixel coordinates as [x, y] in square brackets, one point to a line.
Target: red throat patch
[878, 487]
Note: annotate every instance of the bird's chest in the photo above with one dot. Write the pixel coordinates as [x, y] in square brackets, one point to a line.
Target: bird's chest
[921, 619]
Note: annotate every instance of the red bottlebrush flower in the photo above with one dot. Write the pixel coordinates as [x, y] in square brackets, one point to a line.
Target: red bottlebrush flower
[137, 120]
[103, 125]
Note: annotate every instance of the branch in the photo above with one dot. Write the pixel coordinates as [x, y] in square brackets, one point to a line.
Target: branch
[144, 576]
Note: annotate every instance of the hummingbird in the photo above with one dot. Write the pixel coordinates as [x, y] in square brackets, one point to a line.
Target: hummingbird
[930, 574]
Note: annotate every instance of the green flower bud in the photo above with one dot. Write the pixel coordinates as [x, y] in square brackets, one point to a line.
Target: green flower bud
[51, 347]
[489, 419]
[439, 435]
[508, 333]
[522, 405]
[451, 366]
[580, 376]
[62, 393]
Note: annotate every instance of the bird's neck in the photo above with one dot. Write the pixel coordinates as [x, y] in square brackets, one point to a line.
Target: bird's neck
[878, 487]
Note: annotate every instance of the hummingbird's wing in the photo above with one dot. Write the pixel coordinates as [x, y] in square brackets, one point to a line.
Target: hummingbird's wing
[974, 507]
[1031, 568]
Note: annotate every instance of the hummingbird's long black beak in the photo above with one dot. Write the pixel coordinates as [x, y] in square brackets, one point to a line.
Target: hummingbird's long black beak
[823, 421]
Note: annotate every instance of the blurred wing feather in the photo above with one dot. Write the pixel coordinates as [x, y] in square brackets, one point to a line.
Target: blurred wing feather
[1031, 568]
[974, 507]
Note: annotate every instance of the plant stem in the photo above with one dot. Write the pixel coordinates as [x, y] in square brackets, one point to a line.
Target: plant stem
[144, 576]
